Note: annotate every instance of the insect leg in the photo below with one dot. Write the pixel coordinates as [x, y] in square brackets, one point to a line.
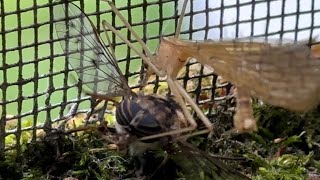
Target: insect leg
[196, 108]
[126, 23]
[183, 12]
[169, 133]
[194, 105]
[143, 45]
[179, 99]
[147, 61]
[243, 118]
[178, 92]
[171, 83]
[143, 57]
[182, 91]
[188, 116]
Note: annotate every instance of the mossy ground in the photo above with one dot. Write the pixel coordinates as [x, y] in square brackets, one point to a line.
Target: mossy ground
[287, 146]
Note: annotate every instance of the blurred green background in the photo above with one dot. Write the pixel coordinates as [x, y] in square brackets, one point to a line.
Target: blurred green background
[28, 54]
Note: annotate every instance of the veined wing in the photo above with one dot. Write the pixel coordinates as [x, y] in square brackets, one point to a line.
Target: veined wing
[196, 164]
[281, 74]
[95, 66]
[284, 75]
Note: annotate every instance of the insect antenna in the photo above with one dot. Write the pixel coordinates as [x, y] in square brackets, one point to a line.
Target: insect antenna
[183, 12]
[125, 22]
[143, 45]
[109, 42]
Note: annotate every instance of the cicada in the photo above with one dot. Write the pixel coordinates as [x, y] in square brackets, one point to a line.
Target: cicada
[98, 72]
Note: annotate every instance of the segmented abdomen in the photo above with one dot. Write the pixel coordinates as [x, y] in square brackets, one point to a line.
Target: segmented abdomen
[148, 115]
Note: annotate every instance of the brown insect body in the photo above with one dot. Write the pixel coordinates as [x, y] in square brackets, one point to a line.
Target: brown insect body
[281, 75]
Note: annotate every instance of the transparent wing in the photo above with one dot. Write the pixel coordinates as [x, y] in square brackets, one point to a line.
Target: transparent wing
[196, 164]
[95, 66]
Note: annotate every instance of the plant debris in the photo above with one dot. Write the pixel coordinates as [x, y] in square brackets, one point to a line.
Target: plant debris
[285, 147]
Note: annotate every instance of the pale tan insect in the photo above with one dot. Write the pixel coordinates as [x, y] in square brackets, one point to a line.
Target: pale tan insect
[280, 74]
[284, 75]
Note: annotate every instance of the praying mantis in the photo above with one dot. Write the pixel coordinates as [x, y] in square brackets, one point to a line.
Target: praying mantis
[280, 74]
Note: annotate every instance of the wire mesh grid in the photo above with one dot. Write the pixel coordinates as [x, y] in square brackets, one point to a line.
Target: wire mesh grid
[35, 85]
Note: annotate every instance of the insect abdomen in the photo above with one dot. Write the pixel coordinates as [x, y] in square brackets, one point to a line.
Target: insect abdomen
[136, 120]
[147, 115]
